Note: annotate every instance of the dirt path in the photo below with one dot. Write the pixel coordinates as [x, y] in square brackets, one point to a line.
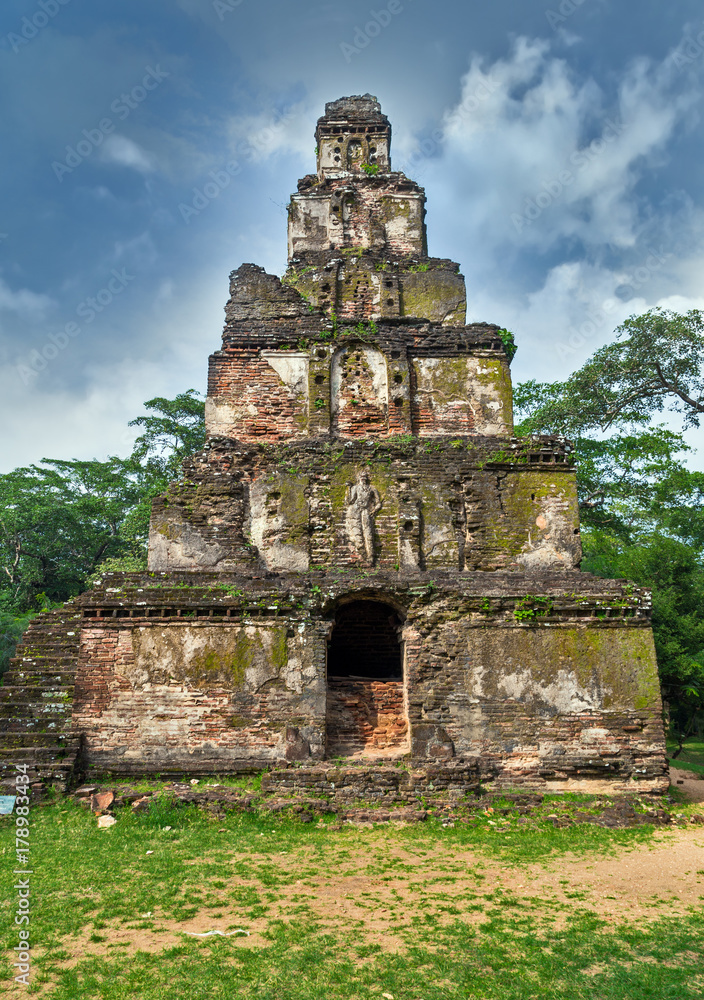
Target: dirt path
[688, 782]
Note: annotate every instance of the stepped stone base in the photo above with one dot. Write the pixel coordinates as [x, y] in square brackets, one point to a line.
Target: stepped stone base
[36, 702]
[373, 782]
[200, 674]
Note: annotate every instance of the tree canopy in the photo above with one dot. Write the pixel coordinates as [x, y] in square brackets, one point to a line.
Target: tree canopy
[60, 520]
[655, 363]
[641, 506]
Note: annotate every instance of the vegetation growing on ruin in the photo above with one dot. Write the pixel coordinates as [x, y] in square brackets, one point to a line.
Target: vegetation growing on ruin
[509, 342]
[63, 523]
[641, 506]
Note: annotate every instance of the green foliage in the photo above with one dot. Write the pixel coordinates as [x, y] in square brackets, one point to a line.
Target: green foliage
[657, 361]
[174, 430]
[641, 508]
[131, 563]
[509, 342]
[61, 522]
[370, 168]
[673, 570]
[687, 753]
[58, 521]
[532, 606]
[12, 626]
[365, 331]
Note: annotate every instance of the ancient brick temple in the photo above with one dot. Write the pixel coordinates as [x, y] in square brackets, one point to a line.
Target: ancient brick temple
[364, 562]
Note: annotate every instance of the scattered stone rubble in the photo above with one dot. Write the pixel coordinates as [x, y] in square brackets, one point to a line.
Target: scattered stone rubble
[391, 806]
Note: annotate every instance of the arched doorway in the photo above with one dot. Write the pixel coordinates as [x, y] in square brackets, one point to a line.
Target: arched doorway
[366, 713]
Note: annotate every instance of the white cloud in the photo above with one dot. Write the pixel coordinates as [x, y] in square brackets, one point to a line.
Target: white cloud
[54, 420]
[532, 155]
[532, 185]
[257, 137]
[562, 281]
[127, 153]
[24, 303]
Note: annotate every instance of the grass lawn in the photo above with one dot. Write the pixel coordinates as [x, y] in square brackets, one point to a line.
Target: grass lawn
[692, 756]
[497, 910]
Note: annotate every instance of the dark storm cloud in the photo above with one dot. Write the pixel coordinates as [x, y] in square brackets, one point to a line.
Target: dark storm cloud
[559, 143]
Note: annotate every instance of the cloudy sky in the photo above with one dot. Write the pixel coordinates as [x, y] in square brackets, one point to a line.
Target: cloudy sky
[150, 148]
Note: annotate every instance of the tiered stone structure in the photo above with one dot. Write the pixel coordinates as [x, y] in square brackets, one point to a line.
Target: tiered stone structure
[364, 562]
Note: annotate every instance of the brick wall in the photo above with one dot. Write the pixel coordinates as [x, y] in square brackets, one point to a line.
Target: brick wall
[365, 716]
[475, 505]
[165, 697]
[555, 694]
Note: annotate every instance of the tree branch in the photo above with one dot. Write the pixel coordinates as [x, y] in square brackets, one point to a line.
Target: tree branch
[678, 392]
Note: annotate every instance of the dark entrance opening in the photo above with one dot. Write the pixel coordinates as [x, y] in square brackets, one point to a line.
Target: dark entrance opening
[366, 713]
[364, 642]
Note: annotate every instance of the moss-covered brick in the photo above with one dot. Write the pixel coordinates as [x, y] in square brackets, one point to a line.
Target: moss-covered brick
[360, 505]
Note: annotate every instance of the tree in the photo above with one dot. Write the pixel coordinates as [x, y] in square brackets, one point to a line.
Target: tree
[656, 362]
[673, 571]
[60, 520]
[641, 507]
[173, 431]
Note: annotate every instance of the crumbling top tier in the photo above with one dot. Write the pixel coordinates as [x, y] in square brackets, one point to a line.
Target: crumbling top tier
[351, 135]
[355, 202]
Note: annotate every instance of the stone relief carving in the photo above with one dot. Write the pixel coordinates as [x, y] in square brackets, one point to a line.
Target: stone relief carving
[467, 520]
[363, 504]
[556, 543]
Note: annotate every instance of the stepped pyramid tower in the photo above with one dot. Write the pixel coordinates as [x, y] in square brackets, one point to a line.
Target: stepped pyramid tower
[363, 563]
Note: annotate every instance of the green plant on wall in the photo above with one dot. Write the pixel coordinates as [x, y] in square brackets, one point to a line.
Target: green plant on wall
[370, 168]
[509, 342]
[366, 330]
[532, 606]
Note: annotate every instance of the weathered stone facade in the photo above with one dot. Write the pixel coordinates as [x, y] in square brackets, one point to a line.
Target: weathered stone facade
[364, 562]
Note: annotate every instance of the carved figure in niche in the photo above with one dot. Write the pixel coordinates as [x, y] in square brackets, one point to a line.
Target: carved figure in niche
[354, 154]
[467, 521]
[363, 504]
